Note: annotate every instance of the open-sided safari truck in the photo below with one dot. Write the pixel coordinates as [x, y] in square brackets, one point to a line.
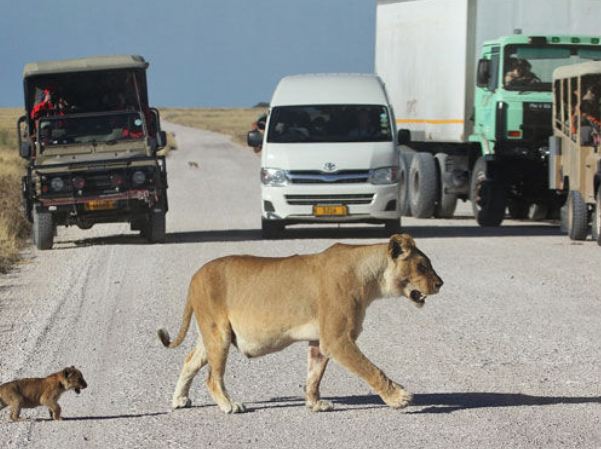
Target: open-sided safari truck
[575, 154]
[91, 140]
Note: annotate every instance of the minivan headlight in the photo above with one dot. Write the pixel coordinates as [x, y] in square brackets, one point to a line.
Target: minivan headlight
[274, 177]
[384, 175]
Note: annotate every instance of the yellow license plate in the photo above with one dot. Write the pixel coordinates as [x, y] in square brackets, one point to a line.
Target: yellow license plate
[333, 210]
[100, 205]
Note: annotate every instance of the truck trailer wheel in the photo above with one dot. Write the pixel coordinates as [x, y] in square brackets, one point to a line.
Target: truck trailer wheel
[597, 218]
[423, 185]
[404, 206]
[446, 202]
[488, 197]
[577, 216]
[43, 230]
[271, 229]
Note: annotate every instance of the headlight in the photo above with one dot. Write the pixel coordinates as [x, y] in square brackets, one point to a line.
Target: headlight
[138, 177]
[57, 184]
[384, 175]
[273, 177]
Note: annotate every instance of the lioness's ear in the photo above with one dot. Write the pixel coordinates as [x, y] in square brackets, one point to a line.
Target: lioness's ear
[400, 245]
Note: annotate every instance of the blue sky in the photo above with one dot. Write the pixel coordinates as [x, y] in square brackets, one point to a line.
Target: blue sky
[213, 53]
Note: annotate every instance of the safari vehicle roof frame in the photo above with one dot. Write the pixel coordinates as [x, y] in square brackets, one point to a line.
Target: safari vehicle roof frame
[91, 64]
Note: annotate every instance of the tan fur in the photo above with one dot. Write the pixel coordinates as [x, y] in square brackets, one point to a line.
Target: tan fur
[30, 393]
[261, 305]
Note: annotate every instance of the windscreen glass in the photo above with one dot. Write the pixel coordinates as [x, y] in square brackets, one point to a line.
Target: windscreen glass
[529, 68]
[108, 128]
[329, 123]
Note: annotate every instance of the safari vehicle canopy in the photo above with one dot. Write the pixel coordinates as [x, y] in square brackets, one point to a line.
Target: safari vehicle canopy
[575, 158]
[91, 139]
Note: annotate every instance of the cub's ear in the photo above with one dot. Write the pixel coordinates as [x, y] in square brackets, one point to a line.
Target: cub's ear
[68, 371]
[400, 245]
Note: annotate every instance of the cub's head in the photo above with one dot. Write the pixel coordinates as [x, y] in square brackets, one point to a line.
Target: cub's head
[73, 379]
[409, 272]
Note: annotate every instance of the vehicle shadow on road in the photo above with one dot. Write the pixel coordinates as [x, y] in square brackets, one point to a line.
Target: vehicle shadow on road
[451, 402]
[329, 233]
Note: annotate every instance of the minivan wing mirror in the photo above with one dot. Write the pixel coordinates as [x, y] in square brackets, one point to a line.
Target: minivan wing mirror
[162, 139]
[25, 150]
[254, 139]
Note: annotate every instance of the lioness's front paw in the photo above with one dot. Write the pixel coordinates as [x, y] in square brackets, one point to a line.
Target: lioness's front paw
[320, 405]
[181, 402]
[236, 407]
[398, 397]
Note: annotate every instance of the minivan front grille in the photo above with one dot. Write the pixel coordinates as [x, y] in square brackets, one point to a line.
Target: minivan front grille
[312, 200]
[319, 177]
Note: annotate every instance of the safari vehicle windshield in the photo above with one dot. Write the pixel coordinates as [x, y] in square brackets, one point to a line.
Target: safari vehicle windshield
[329, 123]
[106, 128]
[530, 68]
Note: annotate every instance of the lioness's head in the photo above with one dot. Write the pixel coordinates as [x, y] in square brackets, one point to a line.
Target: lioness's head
[73, 379]
[409, 272]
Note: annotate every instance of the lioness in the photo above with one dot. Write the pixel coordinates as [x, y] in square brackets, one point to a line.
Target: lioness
[33, 392]
[261, 305]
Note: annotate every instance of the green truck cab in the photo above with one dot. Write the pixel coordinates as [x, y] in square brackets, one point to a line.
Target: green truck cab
[575, 153]
[91, 141]
[513, 121]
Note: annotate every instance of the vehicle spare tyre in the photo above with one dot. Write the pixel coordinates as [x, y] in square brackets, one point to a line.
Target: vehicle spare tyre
[43, 230]
[423, 185]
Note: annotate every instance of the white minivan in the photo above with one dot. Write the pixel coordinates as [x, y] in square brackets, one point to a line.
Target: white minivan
[329, 153]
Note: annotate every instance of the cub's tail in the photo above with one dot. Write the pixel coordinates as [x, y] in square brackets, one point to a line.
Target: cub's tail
[164, 335]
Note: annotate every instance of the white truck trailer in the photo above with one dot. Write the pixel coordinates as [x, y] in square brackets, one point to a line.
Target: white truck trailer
[479, 130]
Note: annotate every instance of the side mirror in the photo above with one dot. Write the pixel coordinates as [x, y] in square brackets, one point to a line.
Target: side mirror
[254, 139]
[404, 137]
[162, 137]
[25, 150]
[483, 73]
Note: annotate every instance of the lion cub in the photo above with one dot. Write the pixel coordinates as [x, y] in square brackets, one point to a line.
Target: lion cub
[30, 393]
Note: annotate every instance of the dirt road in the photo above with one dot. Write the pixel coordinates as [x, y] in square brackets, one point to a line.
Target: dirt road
[507, 355]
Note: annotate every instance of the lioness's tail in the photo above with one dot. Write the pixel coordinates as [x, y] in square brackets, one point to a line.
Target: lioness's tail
[164, 335]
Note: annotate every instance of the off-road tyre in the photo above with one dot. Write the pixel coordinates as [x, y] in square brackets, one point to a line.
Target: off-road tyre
[271, 229]
[488, 197]
[154, 229]
[577, 216]
[43, 230]
[446, 203]
[423, 185]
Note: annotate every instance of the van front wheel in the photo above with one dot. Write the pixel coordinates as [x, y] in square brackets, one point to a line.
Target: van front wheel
[271, 229]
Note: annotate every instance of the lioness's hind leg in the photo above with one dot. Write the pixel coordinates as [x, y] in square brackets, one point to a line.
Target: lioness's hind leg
[193, 363]
[217, 352]
[316, 366]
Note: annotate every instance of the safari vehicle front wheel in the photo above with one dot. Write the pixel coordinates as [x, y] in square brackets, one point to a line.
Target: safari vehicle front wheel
[43, 230]
[154, 229]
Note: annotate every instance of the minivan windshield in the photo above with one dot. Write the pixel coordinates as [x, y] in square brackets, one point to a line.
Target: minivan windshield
[329, 123]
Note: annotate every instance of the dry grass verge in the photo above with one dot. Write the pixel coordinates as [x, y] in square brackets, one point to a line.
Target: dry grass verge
[232, 122]
[14, 228]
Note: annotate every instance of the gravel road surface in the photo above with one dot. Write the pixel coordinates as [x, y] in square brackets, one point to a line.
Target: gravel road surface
[508, 355]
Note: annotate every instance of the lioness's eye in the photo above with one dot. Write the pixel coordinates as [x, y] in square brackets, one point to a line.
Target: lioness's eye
[422, 268]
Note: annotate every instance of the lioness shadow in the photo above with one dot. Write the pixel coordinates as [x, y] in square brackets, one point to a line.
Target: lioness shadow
[445, 402]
